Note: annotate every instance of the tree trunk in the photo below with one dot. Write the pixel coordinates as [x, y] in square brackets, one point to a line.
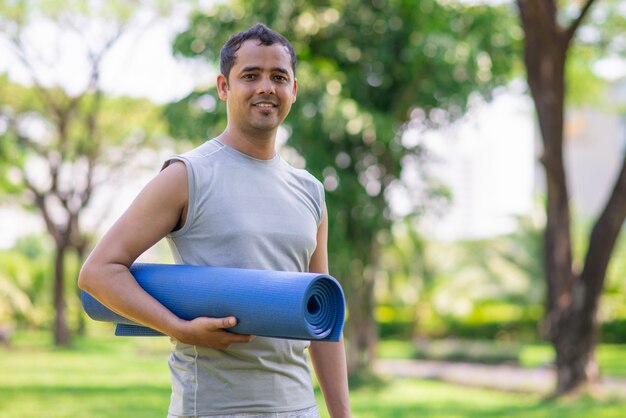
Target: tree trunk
[361, 329]
[80, 315]
[570, 321]
[576, 333]
[61, 330]
[352, 264]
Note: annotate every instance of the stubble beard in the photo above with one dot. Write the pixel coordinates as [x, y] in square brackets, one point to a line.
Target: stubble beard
[265, 122]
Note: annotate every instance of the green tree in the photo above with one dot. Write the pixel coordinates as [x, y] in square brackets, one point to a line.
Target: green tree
[58, 145]
[410, 275]
[573, 294]
[497, 281]
[24, 288]
[368, 71]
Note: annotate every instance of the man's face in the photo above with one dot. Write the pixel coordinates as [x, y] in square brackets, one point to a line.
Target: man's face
[260, 88]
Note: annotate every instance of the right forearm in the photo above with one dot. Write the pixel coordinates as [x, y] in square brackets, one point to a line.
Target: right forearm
[115, 287]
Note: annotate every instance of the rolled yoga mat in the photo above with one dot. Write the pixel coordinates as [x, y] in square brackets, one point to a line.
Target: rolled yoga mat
[306, 306]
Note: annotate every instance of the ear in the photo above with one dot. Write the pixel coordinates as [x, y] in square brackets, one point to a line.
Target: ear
[222, 86]
[295, 90]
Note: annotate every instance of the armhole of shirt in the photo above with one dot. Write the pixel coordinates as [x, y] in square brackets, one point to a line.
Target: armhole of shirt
[191, 190]
[322, 203]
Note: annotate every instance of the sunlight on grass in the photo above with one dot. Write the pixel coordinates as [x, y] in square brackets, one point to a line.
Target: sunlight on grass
[96, 377]
[413, 398]
[611, 357]
[396, 349]
[102, 376]
[536, 355]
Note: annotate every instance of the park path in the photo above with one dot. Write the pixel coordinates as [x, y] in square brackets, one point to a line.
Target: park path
[500, 377]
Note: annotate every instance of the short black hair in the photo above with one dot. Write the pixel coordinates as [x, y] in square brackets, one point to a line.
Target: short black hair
[265, 35]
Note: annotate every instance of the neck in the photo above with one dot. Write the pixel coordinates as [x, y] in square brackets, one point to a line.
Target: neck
[260, 146]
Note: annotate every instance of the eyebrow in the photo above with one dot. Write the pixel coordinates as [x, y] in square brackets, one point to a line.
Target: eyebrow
[256, 68]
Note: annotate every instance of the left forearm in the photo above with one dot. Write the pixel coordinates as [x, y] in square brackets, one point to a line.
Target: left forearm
[329, 363]
[329, 359]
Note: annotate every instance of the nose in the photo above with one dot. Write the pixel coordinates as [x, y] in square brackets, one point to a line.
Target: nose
[265, 86]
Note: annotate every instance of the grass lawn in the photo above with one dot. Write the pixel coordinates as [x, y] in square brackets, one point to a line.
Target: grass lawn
[611, 357]
[107, 377]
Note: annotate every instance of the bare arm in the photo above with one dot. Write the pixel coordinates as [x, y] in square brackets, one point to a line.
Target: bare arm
[329, 358]
[155, 212]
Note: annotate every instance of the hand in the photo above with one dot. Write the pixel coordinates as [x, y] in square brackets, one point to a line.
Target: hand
[210, 332]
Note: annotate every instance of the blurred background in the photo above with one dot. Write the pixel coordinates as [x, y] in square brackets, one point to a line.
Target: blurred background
[473, 155]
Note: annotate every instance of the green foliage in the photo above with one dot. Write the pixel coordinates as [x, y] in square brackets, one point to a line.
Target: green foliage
[501, 330]
[585, 87]
[520, 328]
[408, 270]
[613, 331]
[494, 287]
[600, 36]
[72, 11]
[26, 272]
[486, 289]
[25, 283]
[89, 130]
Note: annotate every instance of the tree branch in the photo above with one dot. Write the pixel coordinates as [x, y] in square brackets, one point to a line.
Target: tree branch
[85, 196]
[540, 12]
[20, 51]
[12, 121]
[604, 236]
[40, 202]
[571, 30]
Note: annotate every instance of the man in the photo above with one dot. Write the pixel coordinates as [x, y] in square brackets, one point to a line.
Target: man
[231, 202]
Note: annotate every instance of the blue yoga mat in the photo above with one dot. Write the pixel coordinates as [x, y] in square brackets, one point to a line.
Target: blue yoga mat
[307, 306]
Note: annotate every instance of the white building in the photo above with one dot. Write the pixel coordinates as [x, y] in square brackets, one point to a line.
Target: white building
[487, 162]
[595, 141]
[490, 162]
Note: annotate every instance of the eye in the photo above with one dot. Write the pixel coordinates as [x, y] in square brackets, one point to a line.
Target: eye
[281, 78]
[248, 76]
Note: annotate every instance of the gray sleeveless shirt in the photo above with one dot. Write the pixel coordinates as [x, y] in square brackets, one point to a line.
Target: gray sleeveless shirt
[244, 213]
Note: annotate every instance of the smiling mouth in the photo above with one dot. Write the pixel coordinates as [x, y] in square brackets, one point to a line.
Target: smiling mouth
[264, 105]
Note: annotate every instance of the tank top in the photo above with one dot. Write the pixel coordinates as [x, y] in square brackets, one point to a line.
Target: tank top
[244, 213]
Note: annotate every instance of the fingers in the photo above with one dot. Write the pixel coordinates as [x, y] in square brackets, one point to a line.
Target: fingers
[228, 322]
[231, 321]
[225, 339]
[229, 338]
[213, 333]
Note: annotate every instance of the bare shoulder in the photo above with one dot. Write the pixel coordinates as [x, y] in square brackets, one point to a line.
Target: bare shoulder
[174, 173]
[156, 211]
[165, 196]
[169, 186]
